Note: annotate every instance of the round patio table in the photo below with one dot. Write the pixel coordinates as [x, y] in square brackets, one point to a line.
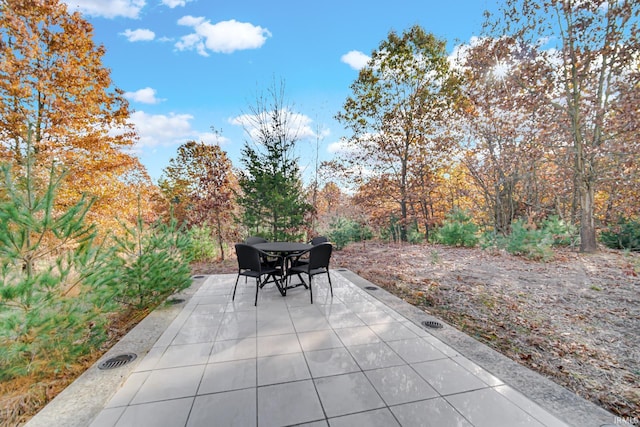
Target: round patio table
[283, 249]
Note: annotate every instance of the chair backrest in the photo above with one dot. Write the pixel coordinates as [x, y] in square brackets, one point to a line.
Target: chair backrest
[319, 239]
[319, 255]
[248, 257]
[255, 239]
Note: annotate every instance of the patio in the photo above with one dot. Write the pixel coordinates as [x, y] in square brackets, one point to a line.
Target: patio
[363, 357]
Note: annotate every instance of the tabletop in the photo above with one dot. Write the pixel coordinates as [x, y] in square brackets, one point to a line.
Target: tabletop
[283, 247]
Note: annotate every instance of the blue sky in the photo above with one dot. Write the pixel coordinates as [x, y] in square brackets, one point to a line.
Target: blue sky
[189, 65]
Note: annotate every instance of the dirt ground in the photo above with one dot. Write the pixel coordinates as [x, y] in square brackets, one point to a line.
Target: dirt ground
[575, 319]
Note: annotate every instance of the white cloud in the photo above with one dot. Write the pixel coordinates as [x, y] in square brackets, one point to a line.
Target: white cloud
[107, 8]
[160, 130]
[342, 146]
[144, 96]
[222, 37]
[141, 34]
[355, 59]
[299, 125]
[175, 3]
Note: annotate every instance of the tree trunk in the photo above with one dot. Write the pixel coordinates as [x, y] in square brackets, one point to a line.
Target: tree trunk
[587, 224]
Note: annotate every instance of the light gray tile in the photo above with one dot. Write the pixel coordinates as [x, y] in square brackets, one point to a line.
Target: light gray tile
[357, 335]
[347, 394]
[226, 376]
[168, 413]
[391, 331]
[275, 325]
[278, 344]
[400, 384]
[429, 413]
[529, 406]
[194, 335]
[447, 377]
[171, 383]
[230, 409]
[282, 368]
[478, 371]
[319, 340]
[375, 317]
[347, 320]
[224, 351]
[374, 356]
[288, 403]
[185, 355]
[108, 417]
[488, 408]
[375, 418]
[415, 350]
[128, 390]
[306, 324]
[331, 361]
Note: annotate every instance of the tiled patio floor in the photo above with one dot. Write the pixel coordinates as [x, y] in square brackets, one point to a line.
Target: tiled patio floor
[343, 361]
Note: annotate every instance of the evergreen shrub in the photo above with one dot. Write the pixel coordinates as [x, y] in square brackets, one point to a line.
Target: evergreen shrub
[625, 234]
[153, 262]
[458, 229]
[343, 231]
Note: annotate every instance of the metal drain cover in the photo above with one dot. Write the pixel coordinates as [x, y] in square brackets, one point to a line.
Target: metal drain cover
[174, 301]
[197, 277]
[431, 324]
[117, 361]
[371, 288]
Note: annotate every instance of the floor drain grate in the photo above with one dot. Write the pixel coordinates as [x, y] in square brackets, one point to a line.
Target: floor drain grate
[431, 324]
[371, 288]
[117, 361]
[174, 301]
[198, 277]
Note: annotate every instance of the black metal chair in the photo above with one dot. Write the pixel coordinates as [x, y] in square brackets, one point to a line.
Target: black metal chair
[300, 260]
[266, 259]
[319, 258]
[252, 240]
[250, 265]
[318, 239]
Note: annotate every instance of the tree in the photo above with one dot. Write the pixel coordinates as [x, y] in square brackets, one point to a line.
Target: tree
[52, 79]
[593, 46]
[55, 280]
[201, 187]
[508, 154]
[271, 187]
[397, 112]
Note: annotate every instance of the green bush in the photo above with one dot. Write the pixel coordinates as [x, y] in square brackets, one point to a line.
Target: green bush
[562, 233]
[343, 231]
[154, 263]
[623, 235]
[531, 243]
[202, 245]
[457, 230]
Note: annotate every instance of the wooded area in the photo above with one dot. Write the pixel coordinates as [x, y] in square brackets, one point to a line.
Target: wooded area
[524, 138]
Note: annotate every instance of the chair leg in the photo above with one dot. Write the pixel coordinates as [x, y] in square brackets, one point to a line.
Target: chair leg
[310, 288]
[257, 287]
[330, 286]
[234, 288]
